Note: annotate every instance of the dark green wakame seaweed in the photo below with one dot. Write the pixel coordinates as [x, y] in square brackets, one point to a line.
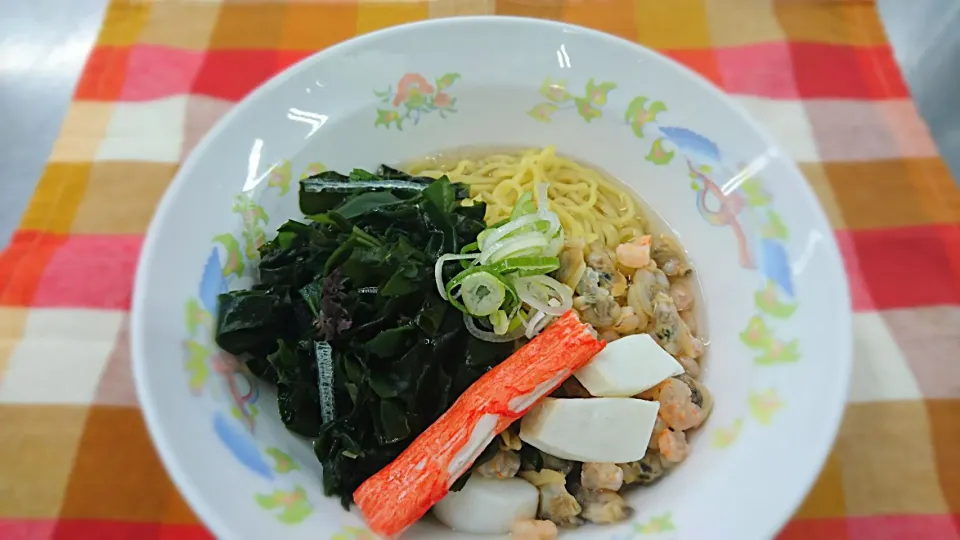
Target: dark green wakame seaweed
[358, 274]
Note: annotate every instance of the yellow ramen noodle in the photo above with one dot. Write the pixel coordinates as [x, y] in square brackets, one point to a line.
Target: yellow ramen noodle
[590, 206]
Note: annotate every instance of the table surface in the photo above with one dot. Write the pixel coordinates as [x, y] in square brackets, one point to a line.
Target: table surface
[75, 460]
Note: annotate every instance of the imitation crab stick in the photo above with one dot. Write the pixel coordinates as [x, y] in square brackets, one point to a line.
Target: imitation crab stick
[403, 491]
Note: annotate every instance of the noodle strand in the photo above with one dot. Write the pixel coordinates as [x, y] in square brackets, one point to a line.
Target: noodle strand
[589, 205]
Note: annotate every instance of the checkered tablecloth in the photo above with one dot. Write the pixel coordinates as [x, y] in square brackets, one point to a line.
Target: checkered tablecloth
[75, 458]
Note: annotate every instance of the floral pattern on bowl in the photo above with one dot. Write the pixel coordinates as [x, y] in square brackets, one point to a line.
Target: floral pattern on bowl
[415, 97]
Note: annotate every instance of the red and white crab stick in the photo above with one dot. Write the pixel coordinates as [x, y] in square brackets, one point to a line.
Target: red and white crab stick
[403, 491]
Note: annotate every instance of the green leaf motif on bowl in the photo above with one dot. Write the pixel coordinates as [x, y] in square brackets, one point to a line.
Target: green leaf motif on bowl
[542, 112]
[283, 463]
[589, 105]
[313, 169]
[353, 533]
[196, 365]
[724, 437]
[779, 352]
[640, 112]
[656, 524]
[764, 405]
[660, 156]
[555, 91]
[597, 93]
[291, 507]
[757, 335]
[768, 301]
[753, 192]
[253, 217]
[279, 177]
[197, 318]
[234, 263]
[586, 109]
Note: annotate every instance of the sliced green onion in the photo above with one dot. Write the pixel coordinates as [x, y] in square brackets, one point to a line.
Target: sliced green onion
[471, 324]
[538, 321]
[544, 294]
[555, 247]
[468, 249]
[527, 266]
[482, 294]
[545, 223]
[517, 246]
[543, 200]
[484, 234]
[438, 269]
[500, 322]
[525, 248]
[461, 301]
[515, 323]
[500, 223]
[524, 206]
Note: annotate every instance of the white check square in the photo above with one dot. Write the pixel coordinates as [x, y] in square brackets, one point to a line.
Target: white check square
[60, 357]
[145, 131]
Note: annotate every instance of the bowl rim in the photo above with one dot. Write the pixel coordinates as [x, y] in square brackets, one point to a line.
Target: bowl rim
[784, 506]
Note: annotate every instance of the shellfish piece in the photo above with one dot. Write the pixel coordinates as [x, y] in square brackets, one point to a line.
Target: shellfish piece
[402, 492]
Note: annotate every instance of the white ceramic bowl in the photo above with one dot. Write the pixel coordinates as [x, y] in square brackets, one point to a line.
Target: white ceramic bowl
[776, 300]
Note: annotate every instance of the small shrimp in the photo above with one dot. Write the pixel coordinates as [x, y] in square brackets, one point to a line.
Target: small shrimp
[681, 416]
[677, 407]
[602, 506]
[601, 476]
[673, 446]
[502, 465]
[644, 472]
[635, 254]
[658, 427]
[533, 529]
[630, 322]
[699, 395]
[694, 394]
[690, 366]
[682, 297]
[669, 257]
